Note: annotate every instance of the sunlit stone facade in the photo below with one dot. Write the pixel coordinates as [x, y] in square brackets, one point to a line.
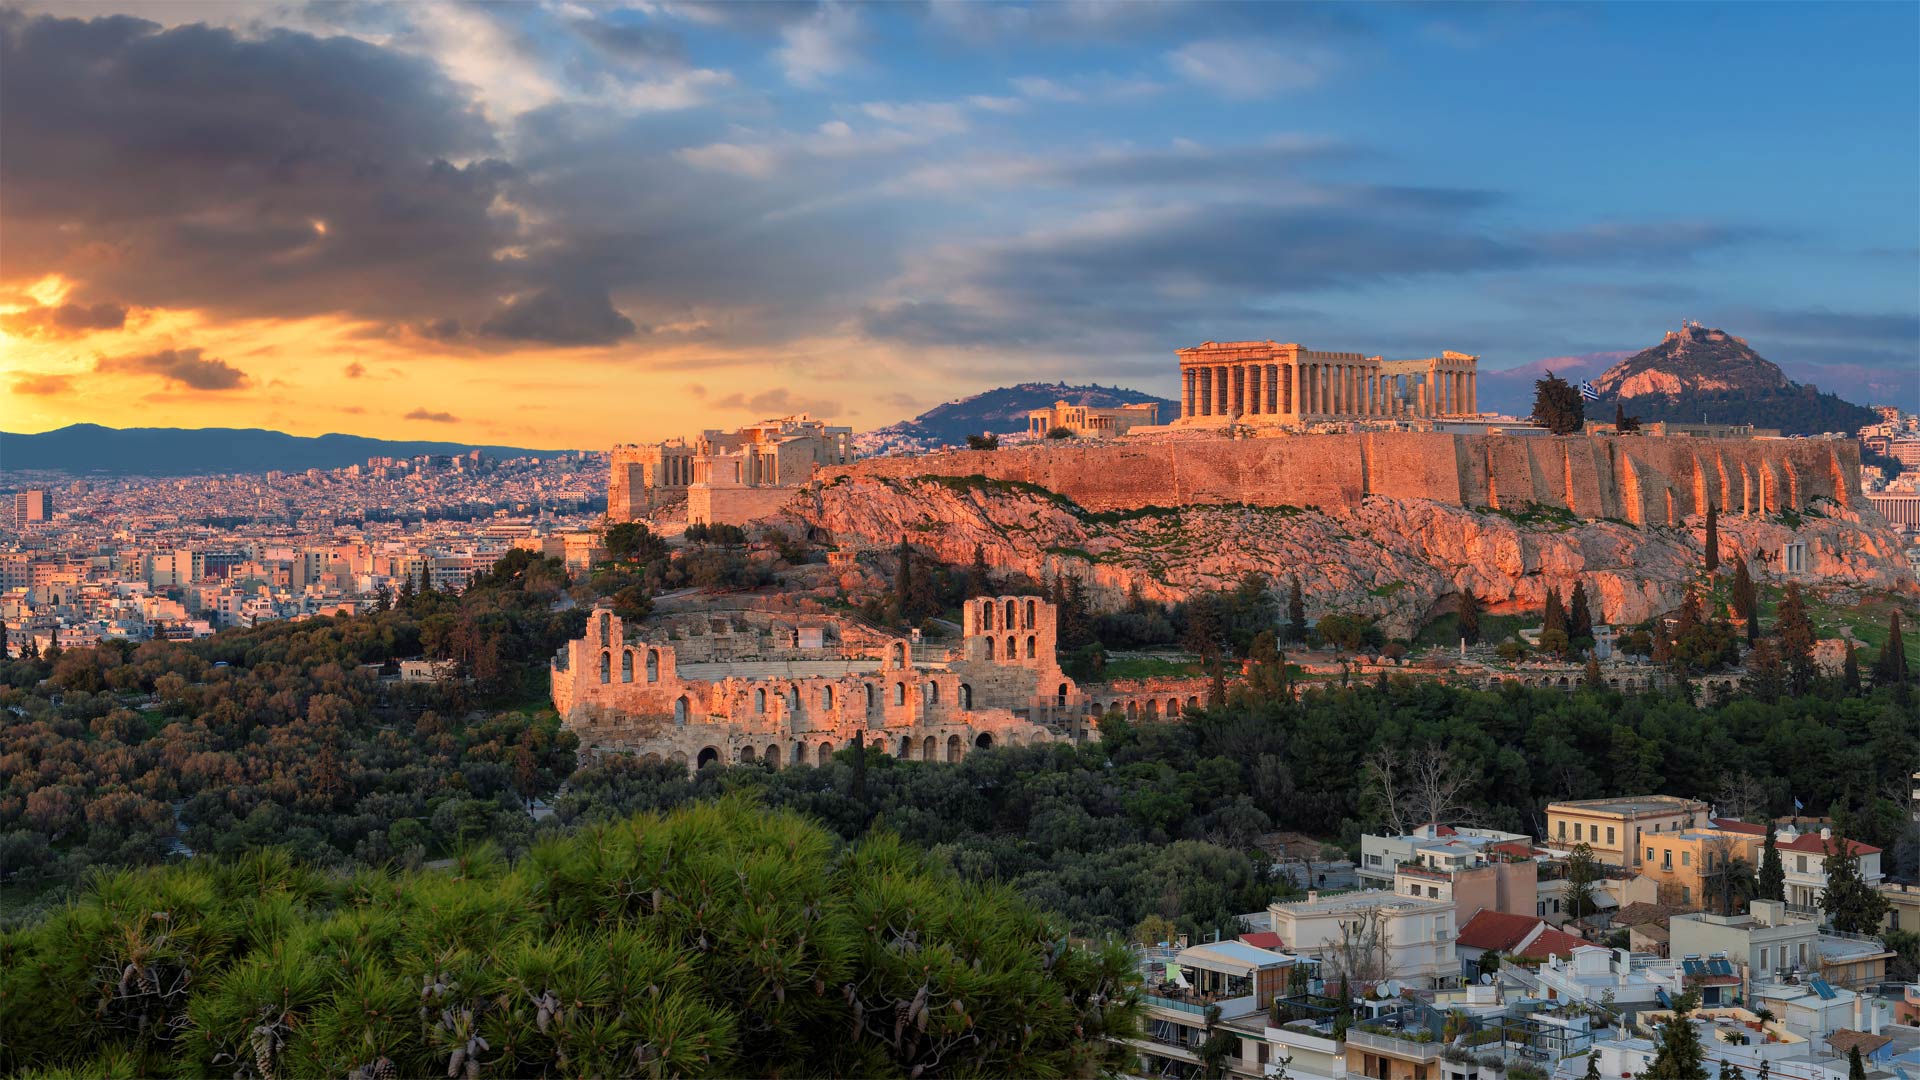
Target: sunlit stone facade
[1266, 382]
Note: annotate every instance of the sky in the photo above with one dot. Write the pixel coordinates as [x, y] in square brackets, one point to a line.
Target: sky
[567, 225]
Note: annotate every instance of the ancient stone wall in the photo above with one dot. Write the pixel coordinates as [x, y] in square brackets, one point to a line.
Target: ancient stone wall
[1644, 480]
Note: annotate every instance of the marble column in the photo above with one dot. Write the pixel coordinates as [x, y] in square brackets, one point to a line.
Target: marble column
[1186, 394]
[1224, 407]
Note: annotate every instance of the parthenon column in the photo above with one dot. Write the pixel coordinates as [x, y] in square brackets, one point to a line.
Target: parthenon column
[1186, 394]
[1288, 374]
[1220, 390]
[1473, 392]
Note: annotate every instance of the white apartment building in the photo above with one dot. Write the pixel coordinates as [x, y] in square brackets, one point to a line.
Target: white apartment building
[1418, 933]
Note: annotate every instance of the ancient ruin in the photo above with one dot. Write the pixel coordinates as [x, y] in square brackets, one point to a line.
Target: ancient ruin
[1269, 383]
[728, 477]
[792, 688]
[1087, 421]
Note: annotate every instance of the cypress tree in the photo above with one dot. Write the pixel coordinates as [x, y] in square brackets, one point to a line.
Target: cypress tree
[903, 578]
[1746, 598]
[1773, 874]
[1469, 617]
[1795, 631]
[1850, 672]
[979, 582]
[1890, 667]
[1713, 538]
[1556, 616]
[1592, 678]
[1856, 1068]
[1678, 1055]
[1296, 613]
[1580, 619]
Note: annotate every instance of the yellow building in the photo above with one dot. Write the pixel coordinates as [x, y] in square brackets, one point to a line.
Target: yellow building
[1616, 828]
[1687, 866]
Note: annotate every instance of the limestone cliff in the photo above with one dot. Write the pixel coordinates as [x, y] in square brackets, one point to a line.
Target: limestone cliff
[1400, 560]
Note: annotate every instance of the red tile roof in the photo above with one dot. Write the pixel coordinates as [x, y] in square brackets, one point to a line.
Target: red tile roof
[1496, 930]
[1553, 943]
[1513, 847]
[1735, 825]
[1264, 939]
[1813, 845]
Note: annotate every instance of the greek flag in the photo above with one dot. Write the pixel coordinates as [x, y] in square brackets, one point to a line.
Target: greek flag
[1588, 393]
[1798, 805]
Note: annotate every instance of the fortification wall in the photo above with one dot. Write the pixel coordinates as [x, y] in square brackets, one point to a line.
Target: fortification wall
[1642, 479]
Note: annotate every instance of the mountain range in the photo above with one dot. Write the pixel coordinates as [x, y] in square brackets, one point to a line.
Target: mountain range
[1000, 411]
[90, 448]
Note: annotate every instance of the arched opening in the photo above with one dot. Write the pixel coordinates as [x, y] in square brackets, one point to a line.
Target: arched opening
[744, 755]
[793, 699]
[679, 758]
[931, 694]
[989, 648]
[650, 759]
[966, 696]
[680, 710]
[799, 753]
[899, 654]
[826, 698]
[707, 757]
[983, 741]
[1030, 647]
[606, 628]
[606, 667]
[1060, 697]
[873, 697]
[986, 614]
[772, 756]
[826, 753]
[955, 748]
[626, 665]
[1031, 608]
[1563, 682]
[1013, 648]
[1173, 707]
[1153, 709]
[929, 750]
[906, 748]
[899, 693]
[1133, 709]
[760, 700]
[1010, 615]
[1193, 703]
[653, 665]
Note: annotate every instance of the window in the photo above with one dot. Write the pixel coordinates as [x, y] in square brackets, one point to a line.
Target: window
[1576, 830]
[1649, 854]
[1800, 864]
[1556, 905]
[1373, 860]
[759, 701]
[1666, 859]
[1413, 890]
[1030, 652]
[1030, 613]
[1433, 892]
[1763, 958]
[1563, 828]
[1686, 894]
[1609, 836]
[1686, 858]
[1542, 906]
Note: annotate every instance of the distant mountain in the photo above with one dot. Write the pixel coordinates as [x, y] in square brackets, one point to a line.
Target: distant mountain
[1001, 411]
[90, 448]
[1700, 371]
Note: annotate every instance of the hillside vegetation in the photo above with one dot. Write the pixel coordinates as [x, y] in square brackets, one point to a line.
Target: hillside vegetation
[720, 940]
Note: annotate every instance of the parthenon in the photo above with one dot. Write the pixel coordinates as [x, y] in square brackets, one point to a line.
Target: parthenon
[1265, 382]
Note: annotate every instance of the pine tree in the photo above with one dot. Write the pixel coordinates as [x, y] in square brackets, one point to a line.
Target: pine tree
[1746, 598]
[1851, 905]
[406, 589]
[1296, 613]
[1593, 1066]
[1580, 619]
[1217, 683]
[1677, 1054]
[1773, 874]
[1557, 405]
[1713, 538]
[1795, 631]
[1469, 617]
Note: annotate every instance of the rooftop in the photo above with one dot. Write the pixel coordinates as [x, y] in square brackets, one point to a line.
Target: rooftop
[1630, 805]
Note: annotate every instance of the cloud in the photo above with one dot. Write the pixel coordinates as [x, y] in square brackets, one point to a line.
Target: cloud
[743, 160]
[354, 370]
[1250, 69]
[778, 402]
[577, 316]
[420, 413]
[818, 46]
[42, 385]
[65, 320]
[179, 367]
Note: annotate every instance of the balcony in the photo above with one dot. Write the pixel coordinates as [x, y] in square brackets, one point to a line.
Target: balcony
[1196, 1002]
[1405, 1049]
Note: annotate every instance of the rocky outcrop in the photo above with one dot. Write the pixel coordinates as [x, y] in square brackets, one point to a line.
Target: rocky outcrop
[1399, 560]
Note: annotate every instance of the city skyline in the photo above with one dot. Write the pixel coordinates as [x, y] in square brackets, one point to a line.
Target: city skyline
[553, 225]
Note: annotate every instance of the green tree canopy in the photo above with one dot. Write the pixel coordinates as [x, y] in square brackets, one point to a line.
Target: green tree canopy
[1557, 406]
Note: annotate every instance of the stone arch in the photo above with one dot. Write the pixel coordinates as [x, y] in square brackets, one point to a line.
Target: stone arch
[906, 748]
[653, 665]
[772, 756]
[899, 693]
[989, 648]
[1133, 709]
[650, 759]
[800, 753]
[606, 666]
[1060, 697]
[955, 748]
[826, 752]
[826, 698]
[930, 694]
[793, 699]
[1193, 703]
[986, 614]
[626, 665]
[1013, 648]
[606, 628]
[1153, 709]
[708, 755]
[929, 750]
[1032, 611]
[899, 654]
[1031, 654]
[679, 757]
[1563, 682]
[1012, 619]
[983, 741]
[966, 696]
[744, 755]
[760, 699]
[1173, 707]
[680, 705]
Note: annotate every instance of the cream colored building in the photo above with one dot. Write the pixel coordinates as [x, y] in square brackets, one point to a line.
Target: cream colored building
[1418, 933]
[1089, 422]
[1266, 382]
[1615, 828]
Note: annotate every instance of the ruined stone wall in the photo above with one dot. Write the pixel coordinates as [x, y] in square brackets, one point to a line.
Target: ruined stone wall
[1645, 480]
[734, 505]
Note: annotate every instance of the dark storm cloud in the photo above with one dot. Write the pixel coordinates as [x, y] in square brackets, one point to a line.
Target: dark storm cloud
[560, 316]
[180, 367]
[65, 320]
[1896, 328]
[275, 175]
